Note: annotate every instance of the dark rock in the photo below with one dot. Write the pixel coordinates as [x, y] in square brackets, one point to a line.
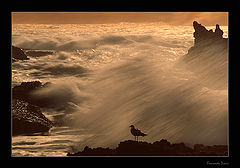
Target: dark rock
[26, 115]
[23, 92]
[198, 147]
[39, 53]
[133, 148]
[94, 152]
[163, 147]
[158, 148]
[207, 38]
[17, 53]
[181, 149]
[208, 58]
[27, 119]
[217, 150]
[202, 34]
[163, 143]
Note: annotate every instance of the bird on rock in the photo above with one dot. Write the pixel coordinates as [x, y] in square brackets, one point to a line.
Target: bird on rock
[136, 132]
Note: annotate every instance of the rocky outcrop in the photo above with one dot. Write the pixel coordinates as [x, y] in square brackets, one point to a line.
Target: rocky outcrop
[207, 38]
[28, 119]
[18, 54]
[23, 92]
[38, 53]
[208, 58]
[158, 148]
[217, 150]
[201, 34]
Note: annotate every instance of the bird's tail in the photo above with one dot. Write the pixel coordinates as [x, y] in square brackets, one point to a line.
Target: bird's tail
[144, 134]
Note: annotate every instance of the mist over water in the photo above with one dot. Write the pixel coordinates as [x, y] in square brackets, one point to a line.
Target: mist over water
[107, 77]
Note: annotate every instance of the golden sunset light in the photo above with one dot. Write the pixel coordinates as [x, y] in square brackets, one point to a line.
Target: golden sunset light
[177, 18]
[119, 84]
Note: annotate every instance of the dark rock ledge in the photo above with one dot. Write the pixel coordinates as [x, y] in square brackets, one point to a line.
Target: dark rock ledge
[22, 54]
[38, 53]
[157, 148]
[27, 117]
[18, 54]
[25, 89]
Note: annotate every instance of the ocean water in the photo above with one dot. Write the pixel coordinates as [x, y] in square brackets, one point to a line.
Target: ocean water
[109, 76]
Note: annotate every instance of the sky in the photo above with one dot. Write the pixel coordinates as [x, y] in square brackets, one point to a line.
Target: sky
[173, 18]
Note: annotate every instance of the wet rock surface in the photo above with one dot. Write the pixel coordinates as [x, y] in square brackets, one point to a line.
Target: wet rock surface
[27, 118]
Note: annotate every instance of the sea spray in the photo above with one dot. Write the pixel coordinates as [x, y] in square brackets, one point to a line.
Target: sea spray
[170, 103]
[165, 101]
[125, 74]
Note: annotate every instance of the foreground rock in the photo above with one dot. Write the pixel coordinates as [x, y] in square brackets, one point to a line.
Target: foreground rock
[24, 92]
[28, 119]
[18, 54]
[158, 148]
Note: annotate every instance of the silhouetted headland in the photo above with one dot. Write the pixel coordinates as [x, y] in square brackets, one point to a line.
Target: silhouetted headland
[208, 58]
[157, 148]
[207, 42]
[207, 38]
[201, 34]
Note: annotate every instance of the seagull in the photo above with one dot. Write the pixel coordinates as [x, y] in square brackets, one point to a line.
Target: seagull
[136, 132]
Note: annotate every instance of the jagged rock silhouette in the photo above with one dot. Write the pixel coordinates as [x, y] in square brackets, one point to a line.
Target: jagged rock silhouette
[158, 148]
